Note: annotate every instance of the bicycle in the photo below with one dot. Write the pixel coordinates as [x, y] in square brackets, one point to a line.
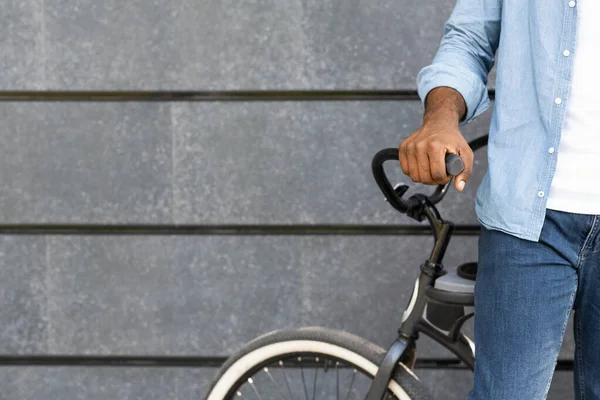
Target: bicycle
[273, 365]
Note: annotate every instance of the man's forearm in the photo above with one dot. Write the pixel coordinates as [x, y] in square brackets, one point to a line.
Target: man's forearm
[445, 103]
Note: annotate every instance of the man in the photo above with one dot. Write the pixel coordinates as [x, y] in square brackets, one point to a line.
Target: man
[539, 202]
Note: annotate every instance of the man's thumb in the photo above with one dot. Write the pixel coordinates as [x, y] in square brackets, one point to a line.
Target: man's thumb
[460, 180]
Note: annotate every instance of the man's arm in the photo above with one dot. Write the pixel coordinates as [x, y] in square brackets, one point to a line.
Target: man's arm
[466, 54]
[444, 102]
[453, 91]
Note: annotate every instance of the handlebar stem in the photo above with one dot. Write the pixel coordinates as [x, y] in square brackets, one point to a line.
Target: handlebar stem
[442, 230]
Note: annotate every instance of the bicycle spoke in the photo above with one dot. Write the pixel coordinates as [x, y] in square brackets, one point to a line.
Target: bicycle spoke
[337, 381]
[315, 382]
[286, 380]
[351, 383]
[254, 388]
[303, 380]
[275, 383]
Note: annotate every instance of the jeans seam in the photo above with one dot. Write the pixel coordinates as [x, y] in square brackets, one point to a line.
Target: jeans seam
[579, 358]
[586, 243]
[564, 329]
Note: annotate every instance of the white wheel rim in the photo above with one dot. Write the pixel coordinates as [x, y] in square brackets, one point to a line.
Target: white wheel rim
[250, 360]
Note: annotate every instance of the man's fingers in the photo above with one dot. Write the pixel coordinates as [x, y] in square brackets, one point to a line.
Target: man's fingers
[437, 162]
[413, 166]
[403, 158]
[424, 164]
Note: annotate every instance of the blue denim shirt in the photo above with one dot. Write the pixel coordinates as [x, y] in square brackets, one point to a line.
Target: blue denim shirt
[534, 41]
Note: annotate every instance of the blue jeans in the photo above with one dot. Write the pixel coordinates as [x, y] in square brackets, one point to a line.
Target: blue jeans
[524, 294]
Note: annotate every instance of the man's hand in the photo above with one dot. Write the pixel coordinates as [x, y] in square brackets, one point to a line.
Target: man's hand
[422, 154]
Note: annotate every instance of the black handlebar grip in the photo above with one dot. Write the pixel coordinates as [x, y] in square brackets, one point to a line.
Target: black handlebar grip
[454, 164]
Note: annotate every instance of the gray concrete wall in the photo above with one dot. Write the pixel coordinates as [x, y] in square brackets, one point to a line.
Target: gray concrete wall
[219, 163]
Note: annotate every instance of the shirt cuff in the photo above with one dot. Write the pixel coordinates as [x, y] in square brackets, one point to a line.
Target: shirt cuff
[471, 88]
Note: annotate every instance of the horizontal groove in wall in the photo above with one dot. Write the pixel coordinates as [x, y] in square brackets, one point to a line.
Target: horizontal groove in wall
[230, 95]
[255, 230]
[191, 362]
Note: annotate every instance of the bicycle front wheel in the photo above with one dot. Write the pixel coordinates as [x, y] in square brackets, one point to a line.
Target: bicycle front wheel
[309, 363]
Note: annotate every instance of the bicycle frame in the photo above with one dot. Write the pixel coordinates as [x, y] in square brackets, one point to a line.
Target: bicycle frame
[431, 269]
[413, 322]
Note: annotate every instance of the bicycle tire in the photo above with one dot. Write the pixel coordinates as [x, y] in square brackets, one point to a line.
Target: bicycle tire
[350, 348]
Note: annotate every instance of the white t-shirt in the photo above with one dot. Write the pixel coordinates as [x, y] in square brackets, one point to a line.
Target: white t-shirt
[576, 185]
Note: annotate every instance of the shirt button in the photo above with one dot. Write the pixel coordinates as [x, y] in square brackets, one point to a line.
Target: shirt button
[540, 194]
[566, 53]
[571, 4]
[551, 150]
[558, 100]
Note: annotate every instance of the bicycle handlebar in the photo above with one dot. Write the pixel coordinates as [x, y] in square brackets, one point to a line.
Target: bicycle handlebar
[394, 196]
[454, 166]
